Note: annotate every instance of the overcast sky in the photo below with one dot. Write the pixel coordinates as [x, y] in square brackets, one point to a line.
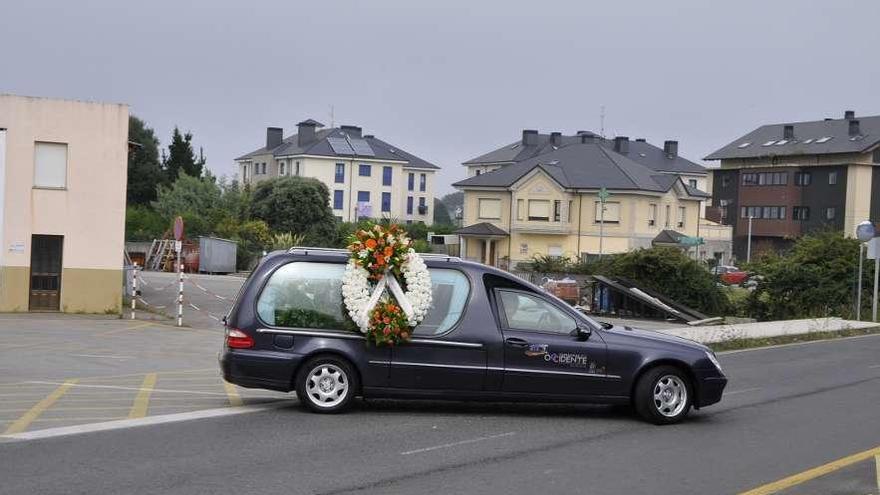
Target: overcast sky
[449, 80]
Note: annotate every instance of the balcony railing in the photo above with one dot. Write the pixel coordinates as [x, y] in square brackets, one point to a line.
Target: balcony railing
[537, 227]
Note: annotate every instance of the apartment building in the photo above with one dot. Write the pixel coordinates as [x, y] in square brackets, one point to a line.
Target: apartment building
[793, 178]
[541, 195]
[367, 177]
[63, 167]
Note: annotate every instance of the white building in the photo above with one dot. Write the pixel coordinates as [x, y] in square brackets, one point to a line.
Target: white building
[367, 177]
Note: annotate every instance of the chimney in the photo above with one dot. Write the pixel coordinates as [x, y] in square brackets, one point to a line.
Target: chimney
[274, 137]
[788, 132]
[353, 131]
[854, 128]
[529, 137]
[556, 138]
[621, 144]
[849, 114]
[670, 148]
[306, 132]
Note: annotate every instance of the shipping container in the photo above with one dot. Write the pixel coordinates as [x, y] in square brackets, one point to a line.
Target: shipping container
[217, 255]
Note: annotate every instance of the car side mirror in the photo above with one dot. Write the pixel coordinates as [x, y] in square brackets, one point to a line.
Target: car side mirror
[583, 332]
[606, 325]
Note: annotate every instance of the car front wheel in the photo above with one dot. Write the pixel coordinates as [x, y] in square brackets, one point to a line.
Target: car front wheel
[663, 395]
[326, 384]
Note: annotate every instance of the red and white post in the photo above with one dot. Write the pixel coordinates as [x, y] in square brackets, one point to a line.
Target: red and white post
[134, 289]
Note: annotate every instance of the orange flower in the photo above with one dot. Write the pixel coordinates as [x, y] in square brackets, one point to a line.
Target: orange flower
[388, 251]
[380, 261]
[370, 243]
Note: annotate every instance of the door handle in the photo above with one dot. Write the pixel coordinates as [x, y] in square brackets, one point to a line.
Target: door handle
[515, 342]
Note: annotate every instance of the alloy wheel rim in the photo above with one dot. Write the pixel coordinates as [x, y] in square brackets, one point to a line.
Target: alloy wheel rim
[670, 396]
[327, 385]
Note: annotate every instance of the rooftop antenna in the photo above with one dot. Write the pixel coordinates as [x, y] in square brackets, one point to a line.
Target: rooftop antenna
[332, 122]
[602, 121]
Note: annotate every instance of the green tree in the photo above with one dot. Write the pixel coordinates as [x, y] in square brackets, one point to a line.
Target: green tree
[189, 196]
[441, 216]
[298, 205]
[181, 158]
[817, 277]
[142, 223]
[453, 201]
[144, 170]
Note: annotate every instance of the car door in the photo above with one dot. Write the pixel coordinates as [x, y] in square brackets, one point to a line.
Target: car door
[447, 350]
[543, 351]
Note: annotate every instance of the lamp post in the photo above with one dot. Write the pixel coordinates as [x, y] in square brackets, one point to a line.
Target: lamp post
[749, 246]
[866, 232]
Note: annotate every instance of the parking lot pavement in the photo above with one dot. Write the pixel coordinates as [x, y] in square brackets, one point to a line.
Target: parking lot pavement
[207, 298]
[62, 370]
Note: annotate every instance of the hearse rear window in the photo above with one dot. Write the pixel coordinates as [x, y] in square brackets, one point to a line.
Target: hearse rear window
[309, 295]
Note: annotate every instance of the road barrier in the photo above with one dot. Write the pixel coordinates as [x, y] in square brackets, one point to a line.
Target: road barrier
[182, 281]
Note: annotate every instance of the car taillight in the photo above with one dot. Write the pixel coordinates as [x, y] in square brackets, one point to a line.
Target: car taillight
[236, 339]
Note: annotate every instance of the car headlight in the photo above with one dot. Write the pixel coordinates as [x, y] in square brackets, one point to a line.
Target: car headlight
[711, 356]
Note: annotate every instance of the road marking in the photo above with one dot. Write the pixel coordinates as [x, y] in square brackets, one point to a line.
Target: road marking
[813, 473]
[27, 418]
[877, 464]
[100, 356]
[743, 391]
[142, 401]
[234, 398]
[138, 389]
[131, 423]
[874, 366]
[123, 329]
[456, 444]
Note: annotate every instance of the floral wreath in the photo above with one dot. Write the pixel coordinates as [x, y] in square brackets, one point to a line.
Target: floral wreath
[380, 256]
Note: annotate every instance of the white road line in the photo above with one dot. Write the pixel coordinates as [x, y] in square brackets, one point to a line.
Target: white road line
[874, 366]
[100, 356]
[456, 444]
[131, 423]
[742, 391]
[138, 389]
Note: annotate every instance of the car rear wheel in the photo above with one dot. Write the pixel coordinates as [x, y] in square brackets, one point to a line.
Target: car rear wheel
[326, 384]
[663, 395]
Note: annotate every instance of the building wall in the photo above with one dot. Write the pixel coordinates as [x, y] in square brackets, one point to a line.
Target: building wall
[860, 179]
[577, 232]
[89, 212]
[324, 169]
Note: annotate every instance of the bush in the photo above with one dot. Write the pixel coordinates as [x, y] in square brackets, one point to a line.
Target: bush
[815, 278]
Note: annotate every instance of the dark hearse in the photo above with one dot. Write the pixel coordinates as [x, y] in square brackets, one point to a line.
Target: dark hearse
[489, 336]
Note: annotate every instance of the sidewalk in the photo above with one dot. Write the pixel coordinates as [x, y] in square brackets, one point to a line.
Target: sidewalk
[720, 333]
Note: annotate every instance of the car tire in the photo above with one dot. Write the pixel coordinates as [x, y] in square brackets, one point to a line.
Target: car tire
[326, 384]
[663, 395]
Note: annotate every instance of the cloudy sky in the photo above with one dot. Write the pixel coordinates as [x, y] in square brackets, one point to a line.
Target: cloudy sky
[449, 80]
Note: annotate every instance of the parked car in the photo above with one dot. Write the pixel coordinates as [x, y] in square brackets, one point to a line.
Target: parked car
[729, 274]
[489, 336]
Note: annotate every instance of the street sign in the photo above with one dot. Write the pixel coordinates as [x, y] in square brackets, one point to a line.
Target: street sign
[865, 231]
[178, 246]
[874, 248]
[178, 228]
[604, 194]
[691, 241]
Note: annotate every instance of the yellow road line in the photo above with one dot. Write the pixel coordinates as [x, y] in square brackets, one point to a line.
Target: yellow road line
[142, 401]
[123, 329]
[234, 398]
[816, 472]
[877, 463]
[27, 418]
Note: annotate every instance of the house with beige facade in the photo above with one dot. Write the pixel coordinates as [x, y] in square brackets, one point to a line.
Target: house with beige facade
[367, 177]
[63, 167]
[541, 195]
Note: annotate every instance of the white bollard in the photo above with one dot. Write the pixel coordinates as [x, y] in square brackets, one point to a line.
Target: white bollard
[180, 296]
[134, 289]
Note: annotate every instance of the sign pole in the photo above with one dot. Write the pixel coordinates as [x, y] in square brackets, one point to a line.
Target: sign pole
[859, 287]
[876, 279]
[134, 288]
[866, 233]
[603, 196]
[749, 247]
[179, 292]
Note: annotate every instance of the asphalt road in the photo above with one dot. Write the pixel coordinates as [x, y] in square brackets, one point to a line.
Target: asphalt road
[207, 298]
[787, 409]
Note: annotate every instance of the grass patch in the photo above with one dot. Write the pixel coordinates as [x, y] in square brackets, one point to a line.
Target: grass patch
[734, 344]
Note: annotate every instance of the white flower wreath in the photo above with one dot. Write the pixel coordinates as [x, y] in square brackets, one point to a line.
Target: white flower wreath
[360, 300]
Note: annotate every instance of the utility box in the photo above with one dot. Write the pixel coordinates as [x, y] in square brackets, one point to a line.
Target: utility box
[217, 255]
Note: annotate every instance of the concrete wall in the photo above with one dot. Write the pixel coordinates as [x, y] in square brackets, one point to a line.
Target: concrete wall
[89, 212]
